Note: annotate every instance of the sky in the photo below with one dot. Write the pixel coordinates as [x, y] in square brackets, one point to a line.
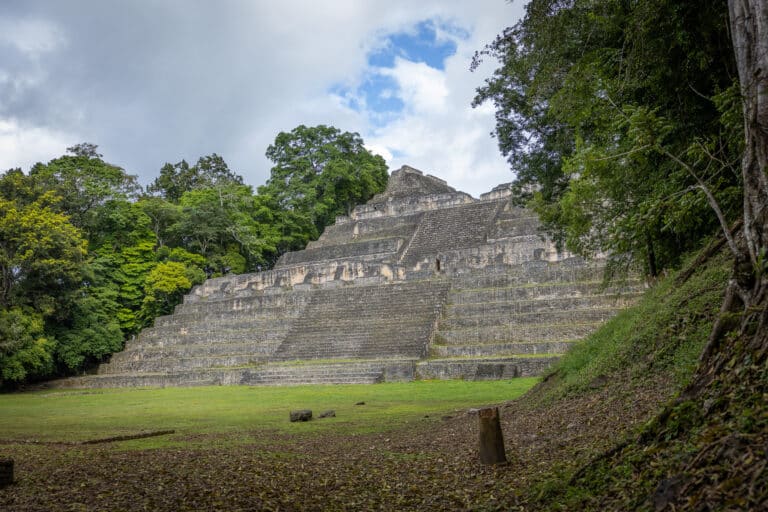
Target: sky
[156, 81]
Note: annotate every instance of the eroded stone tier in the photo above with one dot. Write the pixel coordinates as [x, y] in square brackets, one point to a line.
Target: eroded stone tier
[423, 281]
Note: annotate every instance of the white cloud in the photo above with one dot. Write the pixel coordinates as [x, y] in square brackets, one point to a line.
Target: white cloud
[439, 132]
[226, 77]
[25, 146]
[32, 37]
[422, 88]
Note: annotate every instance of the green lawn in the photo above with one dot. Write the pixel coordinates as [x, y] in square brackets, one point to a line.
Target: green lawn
[93, 414]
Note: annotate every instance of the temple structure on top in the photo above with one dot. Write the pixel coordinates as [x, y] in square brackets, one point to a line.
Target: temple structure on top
[422, 282]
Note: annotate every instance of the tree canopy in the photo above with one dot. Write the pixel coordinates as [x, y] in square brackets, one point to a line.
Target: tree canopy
[87, 258]
[621, 121]
[321, 172]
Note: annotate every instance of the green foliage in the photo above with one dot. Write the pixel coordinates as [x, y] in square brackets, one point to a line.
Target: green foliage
[613, 114]
[121, 224]
[321, 172]
[283, 230]
[129, 272]
[163, 216]
[84, 182]
[209, 172]
[40, 255]
[667, 329]
[91, 332]
[164, 287]
[25, 352]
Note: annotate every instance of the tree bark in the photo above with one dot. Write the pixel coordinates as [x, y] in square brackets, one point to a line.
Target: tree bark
[749, 31]
[491, 438]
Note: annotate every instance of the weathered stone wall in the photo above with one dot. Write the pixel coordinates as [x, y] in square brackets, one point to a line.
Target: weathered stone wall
[368, 250]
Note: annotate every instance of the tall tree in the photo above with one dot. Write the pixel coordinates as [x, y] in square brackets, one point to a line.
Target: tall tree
[41, 269]
[40, 255]
[84, 182]
[749, 28]
[748, 289]
[613, 117]
[209, 172]
[322, 172]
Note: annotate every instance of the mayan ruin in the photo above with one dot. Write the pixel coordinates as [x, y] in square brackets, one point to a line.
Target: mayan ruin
[422, 282]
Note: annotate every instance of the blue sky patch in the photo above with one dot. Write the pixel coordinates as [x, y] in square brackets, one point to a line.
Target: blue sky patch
[419, 45]
[377, 94]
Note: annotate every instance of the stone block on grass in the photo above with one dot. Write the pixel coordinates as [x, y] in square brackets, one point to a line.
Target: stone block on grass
[302, 415]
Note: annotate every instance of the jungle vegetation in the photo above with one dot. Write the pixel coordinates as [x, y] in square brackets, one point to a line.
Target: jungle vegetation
[89, 257]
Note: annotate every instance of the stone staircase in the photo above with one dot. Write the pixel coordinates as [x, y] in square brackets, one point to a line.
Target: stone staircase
[422, 282]
[366, 322]
[500, 324]
[356, 334]
[456, 227]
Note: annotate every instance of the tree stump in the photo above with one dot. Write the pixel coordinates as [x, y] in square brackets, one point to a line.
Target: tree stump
[6, 472]
[491, 438]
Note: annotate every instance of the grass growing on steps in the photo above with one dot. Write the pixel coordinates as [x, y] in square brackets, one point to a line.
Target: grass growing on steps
[662, 336]
[79, 415]
[666, 330]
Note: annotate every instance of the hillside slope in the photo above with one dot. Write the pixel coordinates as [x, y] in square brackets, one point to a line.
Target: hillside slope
[630, 420]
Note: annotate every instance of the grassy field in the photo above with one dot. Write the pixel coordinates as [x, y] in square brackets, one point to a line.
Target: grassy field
[93, 414]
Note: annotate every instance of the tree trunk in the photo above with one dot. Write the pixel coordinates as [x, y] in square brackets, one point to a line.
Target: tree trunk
[491, 439]
[749, 31]
[652, 270]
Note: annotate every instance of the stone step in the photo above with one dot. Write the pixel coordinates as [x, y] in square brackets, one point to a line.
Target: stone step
[514, 212]
[500, 349]
[172, 335]
[363, 323]
[229, 317]
[449, 228]
[532, 332]
[317, 346]
[327, 372]
[150, 365]
[483, 368]
[576, 316]
[384, 321]
[573, 270]
[191, 350]
[353, 351]
[538, 305]
[539, 291]
[387, 312]
[506, 227]
[367, 249]
[257, 302]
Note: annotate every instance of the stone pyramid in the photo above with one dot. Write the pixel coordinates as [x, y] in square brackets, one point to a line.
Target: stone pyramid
[422, 282]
